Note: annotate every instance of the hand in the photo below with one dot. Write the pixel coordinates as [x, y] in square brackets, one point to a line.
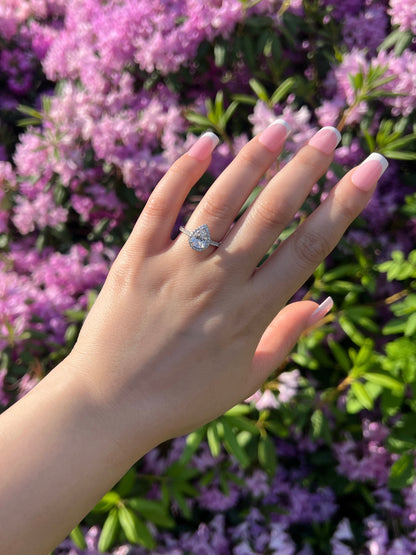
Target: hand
[177, 337]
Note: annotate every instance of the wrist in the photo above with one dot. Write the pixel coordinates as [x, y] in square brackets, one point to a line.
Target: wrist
[120, 413]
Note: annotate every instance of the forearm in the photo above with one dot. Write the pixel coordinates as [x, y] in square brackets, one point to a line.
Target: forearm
[57, 459]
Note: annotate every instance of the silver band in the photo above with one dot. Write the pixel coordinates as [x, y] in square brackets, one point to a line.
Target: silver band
[199, 238]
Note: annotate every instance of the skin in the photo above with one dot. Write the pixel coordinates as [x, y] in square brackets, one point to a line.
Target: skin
[175, 338]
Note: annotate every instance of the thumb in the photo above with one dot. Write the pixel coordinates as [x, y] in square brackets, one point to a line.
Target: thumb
[283, 332]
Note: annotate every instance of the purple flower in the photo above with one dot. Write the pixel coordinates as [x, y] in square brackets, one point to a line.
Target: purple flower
[366, 30]
[403, 13]
[40, 213]
[367, 460]
[214, 499]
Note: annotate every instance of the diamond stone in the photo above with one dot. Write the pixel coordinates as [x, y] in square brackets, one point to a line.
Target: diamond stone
[200, 239]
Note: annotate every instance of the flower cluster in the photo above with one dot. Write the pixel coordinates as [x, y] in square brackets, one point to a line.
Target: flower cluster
[403, 14]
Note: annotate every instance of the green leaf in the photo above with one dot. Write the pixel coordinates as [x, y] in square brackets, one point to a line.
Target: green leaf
[135, 529]
[25, 122]
[193, 441]
[110, 500]
[365, 353]
[410, 328]
[320, 426]
[259, 90]
[219, 54]
[228, 113]
[397, 36]
[232, 445]
[198, 119]
[351, 330]
[181, 502]
[340, 355]
[397, 155]
[78, 538]
[29, 111]
[125, 485]
[242, 423]
[283, 90]
[239, 410]
[362, 395]
[402, 473]
[213, 438]
[356, 81]
[151, 510]
[385, 381]
[218, 106]
[245, 99]
[267, 455]
[400, 142]
[390, 403]
[109, 532]
[343, 270]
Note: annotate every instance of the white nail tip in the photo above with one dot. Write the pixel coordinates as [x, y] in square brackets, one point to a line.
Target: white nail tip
[324, 307]
[334, 130]
[281, 121]
[215, 140]
[379, 158]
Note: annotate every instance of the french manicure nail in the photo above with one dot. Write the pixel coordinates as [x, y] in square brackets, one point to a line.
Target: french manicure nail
[275, 135]
[203, 146]
[326, 139]
[369, 171]
[320, 312]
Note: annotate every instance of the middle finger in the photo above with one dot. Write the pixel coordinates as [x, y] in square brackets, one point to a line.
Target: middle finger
[224, 199]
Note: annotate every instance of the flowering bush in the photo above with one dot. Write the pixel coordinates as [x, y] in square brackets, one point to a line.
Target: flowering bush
[92, 113]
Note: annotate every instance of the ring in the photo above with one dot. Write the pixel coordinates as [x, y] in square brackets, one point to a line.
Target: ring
[199, 238]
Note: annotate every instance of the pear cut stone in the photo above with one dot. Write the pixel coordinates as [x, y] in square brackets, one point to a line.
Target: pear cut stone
[200, 239]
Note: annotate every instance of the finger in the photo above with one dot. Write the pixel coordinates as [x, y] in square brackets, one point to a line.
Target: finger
[277, 204]
[154, 226]
[282, 334]
[223, 201]
[297, 257]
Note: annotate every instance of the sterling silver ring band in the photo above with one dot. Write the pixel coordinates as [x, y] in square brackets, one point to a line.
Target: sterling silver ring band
[200, 238]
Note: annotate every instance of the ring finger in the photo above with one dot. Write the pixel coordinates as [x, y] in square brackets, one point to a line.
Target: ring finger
[223, 201]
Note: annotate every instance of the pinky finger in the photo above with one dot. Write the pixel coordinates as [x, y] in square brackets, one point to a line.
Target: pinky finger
[282, 334]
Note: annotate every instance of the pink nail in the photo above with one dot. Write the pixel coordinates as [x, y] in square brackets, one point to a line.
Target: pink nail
[203, 146]
[275, 135]
[320, 312]
[326, 139]
[369, 171]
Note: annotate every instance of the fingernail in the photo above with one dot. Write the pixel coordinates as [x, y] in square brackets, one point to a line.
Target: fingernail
[369, 171]
[320, 312]
[275, 135]
[203, 146]
[326, 139]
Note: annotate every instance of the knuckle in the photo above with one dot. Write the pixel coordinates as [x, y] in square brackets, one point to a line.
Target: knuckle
[177, 169]
[156, 206]
[248, 157]
[216, 209]
[310, 247]
[272, 216]
[310, 160]
[345, 206]
[122, 274]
